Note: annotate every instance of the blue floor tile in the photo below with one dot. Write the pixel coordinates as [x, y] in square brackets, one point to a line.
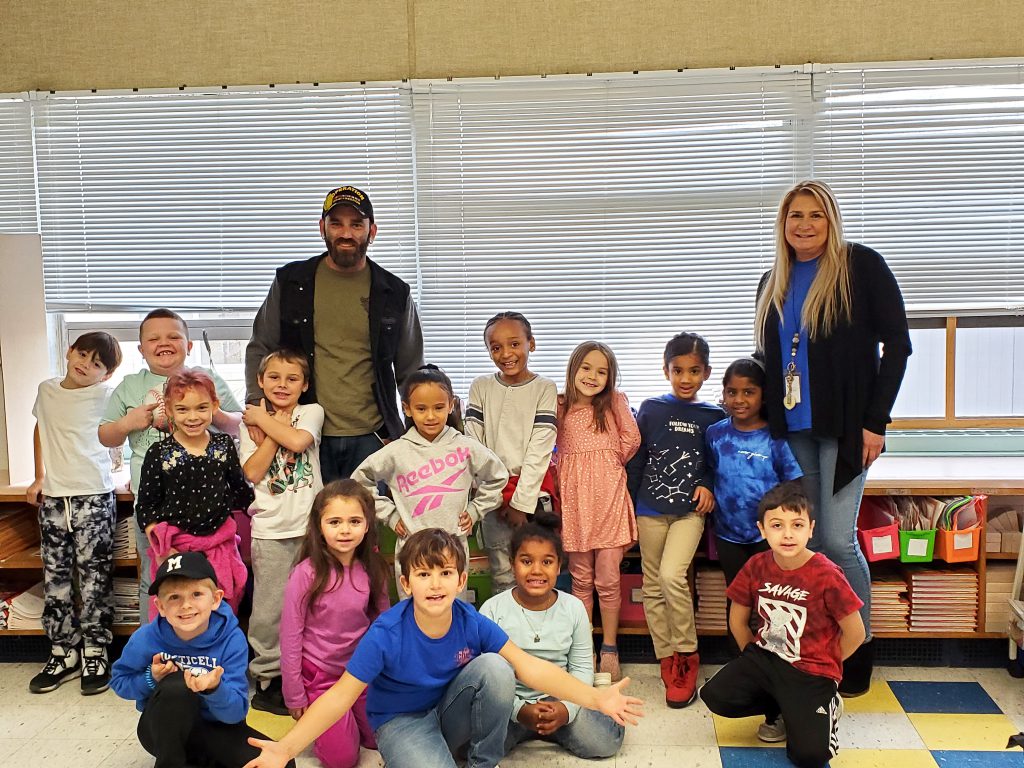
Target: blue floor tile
[943, 698]
[753, 757]
[957, 759]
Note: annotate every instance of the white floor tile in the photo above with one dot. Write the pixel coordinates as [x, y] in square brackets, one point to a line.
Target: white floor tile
[128, 754]
[872, 730]
[64, 753]
[924, 674]
[645, 756]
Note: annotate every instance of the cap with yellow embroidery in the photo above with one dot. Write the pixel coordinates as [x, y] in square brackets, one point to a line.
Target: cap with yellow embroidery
[349, 196]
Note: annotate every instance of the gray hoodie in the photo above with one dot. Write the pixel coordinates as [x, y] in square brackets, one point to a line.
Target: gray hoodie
[432, 482]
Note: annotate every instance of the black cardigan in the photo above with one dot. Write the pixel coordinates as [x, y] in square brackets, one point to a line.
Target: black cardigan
[852, 386]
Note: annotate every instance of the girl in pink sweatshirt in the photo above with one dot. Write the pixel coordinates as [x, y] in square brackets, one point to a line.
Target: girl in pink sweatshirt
[333, 595]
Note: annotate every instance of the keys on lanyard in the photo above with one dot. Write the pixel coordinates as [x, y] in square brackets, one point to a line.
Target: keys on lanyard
[792, 398]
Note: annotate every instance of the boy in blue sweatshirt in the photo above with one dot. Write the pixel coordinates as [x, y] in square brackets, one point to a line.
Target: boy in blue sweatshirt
[186, 671]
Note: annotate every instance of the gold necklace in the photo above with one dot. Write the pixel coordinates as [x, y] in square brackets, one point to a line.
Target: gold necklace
[526, 618]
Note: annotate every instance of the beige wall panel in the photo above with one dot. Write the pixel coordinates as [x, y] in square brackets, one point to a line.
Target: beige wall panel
[508, 37]
[63, 45]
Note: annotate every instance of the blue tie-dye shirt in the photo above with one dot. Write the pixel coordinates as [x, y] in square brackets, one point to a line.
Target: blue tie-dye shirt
[746, 466]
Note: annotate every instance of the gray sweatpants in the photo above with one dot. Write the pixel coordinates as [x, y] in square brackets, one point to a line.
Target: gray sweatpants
[77, 544]
[272, 561]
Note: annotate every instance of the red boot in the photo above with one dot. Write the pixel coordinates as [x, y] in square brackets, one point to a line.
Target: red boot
[685, 690]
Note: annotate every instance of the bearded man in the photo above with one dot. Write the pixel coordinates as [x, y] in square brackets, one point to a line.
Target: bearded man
[357, 325]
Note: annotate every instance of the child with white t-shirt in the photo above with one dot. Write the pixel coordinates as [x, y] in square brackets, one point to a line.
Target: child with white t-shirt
[77, 515]
[284, 467]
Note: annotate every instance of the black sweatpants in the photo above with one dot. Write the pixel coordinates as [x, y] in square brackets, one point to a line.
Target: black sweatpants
[174, 732]
[761, 683]
[732, 557]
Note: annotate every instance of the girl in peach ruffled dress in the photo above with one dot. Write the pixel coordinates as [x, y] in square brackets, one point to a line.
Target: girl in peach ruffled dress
[597, 435]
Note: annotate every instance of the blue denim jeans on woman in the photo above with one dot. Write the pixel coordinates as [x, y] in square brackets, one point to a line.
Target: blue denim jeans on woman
[473, 713]
[835, 527]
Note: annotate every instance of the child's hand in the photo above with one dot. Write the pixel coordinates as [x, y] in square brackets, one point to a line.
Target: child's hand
[161, 667]
[514, 517]
[140, 417]
[272, 754]
[623, 709]
[703, 500]
[32, 493]
[465, 522]
[256, 434]
[254, 415]
[207, 681]
[296, 712]
[543, 717]
[400, 530]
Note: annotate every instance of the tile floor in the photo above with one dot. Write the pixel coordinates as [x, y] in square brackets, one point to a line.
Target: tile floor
[912, 718]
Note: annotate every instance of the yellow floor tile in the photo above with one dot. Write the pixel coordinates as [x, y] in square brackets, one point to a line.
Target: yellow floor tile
[273, 726]
[739, 732]
[979, 733]
[883, 758]
[879, 698]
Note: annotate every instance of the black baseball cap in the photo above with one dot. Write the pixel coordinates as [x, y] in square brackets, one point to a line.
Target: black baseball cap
[349, 196]
[184, 565]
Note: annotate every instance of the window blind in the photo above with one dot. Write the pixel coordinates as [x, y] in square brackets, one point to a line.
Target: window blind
[928, 164]
[622, 210]
[17, 168]
[191, 200]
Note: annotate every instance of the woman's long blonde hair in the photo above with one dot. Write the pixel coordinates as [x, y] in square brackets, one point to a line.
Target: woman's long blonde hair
[829, 300]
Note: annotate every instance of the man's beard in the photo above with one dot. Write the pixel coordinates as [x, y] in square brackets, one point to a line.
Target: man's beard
[345, 257]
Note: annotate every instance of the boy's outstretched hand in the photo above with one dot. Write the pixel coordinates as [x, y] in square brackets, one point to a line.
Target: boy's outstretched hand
[623, 709]
[273, 755]
[207, 681]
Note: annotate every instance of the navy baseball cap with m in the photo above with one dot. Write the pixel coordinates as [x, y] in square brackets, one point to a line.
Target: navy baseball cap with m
[183, 565]
[350, 196]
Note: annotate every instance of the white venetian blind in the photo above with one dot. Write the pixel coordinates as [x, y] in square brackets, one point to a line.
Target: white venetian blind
[619, 209]
[191, 200]
[17, 168]
[928, 164]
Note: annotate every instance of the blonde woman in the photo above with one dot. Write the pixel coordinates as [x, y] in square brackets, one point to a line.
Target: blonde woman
[822, 312]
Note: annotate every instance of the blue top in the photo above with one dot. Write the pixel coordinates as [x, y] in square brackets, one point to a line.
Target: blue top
[221, 645]
[801, 275]
[409, 672]
[669, 465]
[746, 466]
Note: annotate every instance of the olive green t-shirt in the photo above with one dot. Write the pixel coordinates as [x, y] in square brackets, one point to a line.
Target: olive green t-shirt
[342, 366]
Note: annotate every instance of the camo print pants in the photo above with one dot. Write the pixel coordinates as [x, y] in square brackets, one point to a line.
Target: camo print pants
[77, 539]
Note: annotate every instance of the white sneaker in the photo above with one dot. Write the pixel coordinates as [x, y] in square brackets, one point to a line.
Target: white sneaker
[772, 732]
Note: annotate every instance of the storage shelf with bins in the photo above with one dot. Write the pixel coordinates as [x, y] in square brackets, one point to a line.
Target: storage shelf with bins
[25, 561]
[993, 476]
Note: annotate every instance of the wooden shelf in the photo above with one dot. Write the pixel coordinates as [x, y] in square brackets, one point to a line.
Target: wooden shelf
[1001, 556]
[119, 629]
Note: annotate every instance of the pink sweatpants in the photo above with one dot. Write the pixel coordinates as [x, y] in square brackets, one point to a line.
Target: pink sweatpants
[338, 747]
[597, 568]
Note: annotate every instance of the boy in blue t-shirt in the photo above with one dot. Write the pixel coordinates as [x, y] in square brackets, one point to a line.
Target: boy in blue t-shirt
[441, 676]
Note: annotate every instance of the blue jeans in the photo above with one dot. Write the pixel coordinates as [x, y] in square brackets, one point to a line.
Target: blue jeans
[474, 713]
[835, 527]
[339, 456]
[591, 735]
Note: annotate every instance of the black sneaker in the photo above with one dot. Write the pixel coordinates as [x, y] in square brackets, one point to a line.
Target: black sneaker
[61, 666]
[269, 698]
[96, 671]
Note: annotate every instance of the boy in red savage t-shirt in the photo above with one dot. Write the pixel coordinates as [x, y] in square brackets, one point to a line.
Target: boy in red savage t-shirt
[808, 623]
